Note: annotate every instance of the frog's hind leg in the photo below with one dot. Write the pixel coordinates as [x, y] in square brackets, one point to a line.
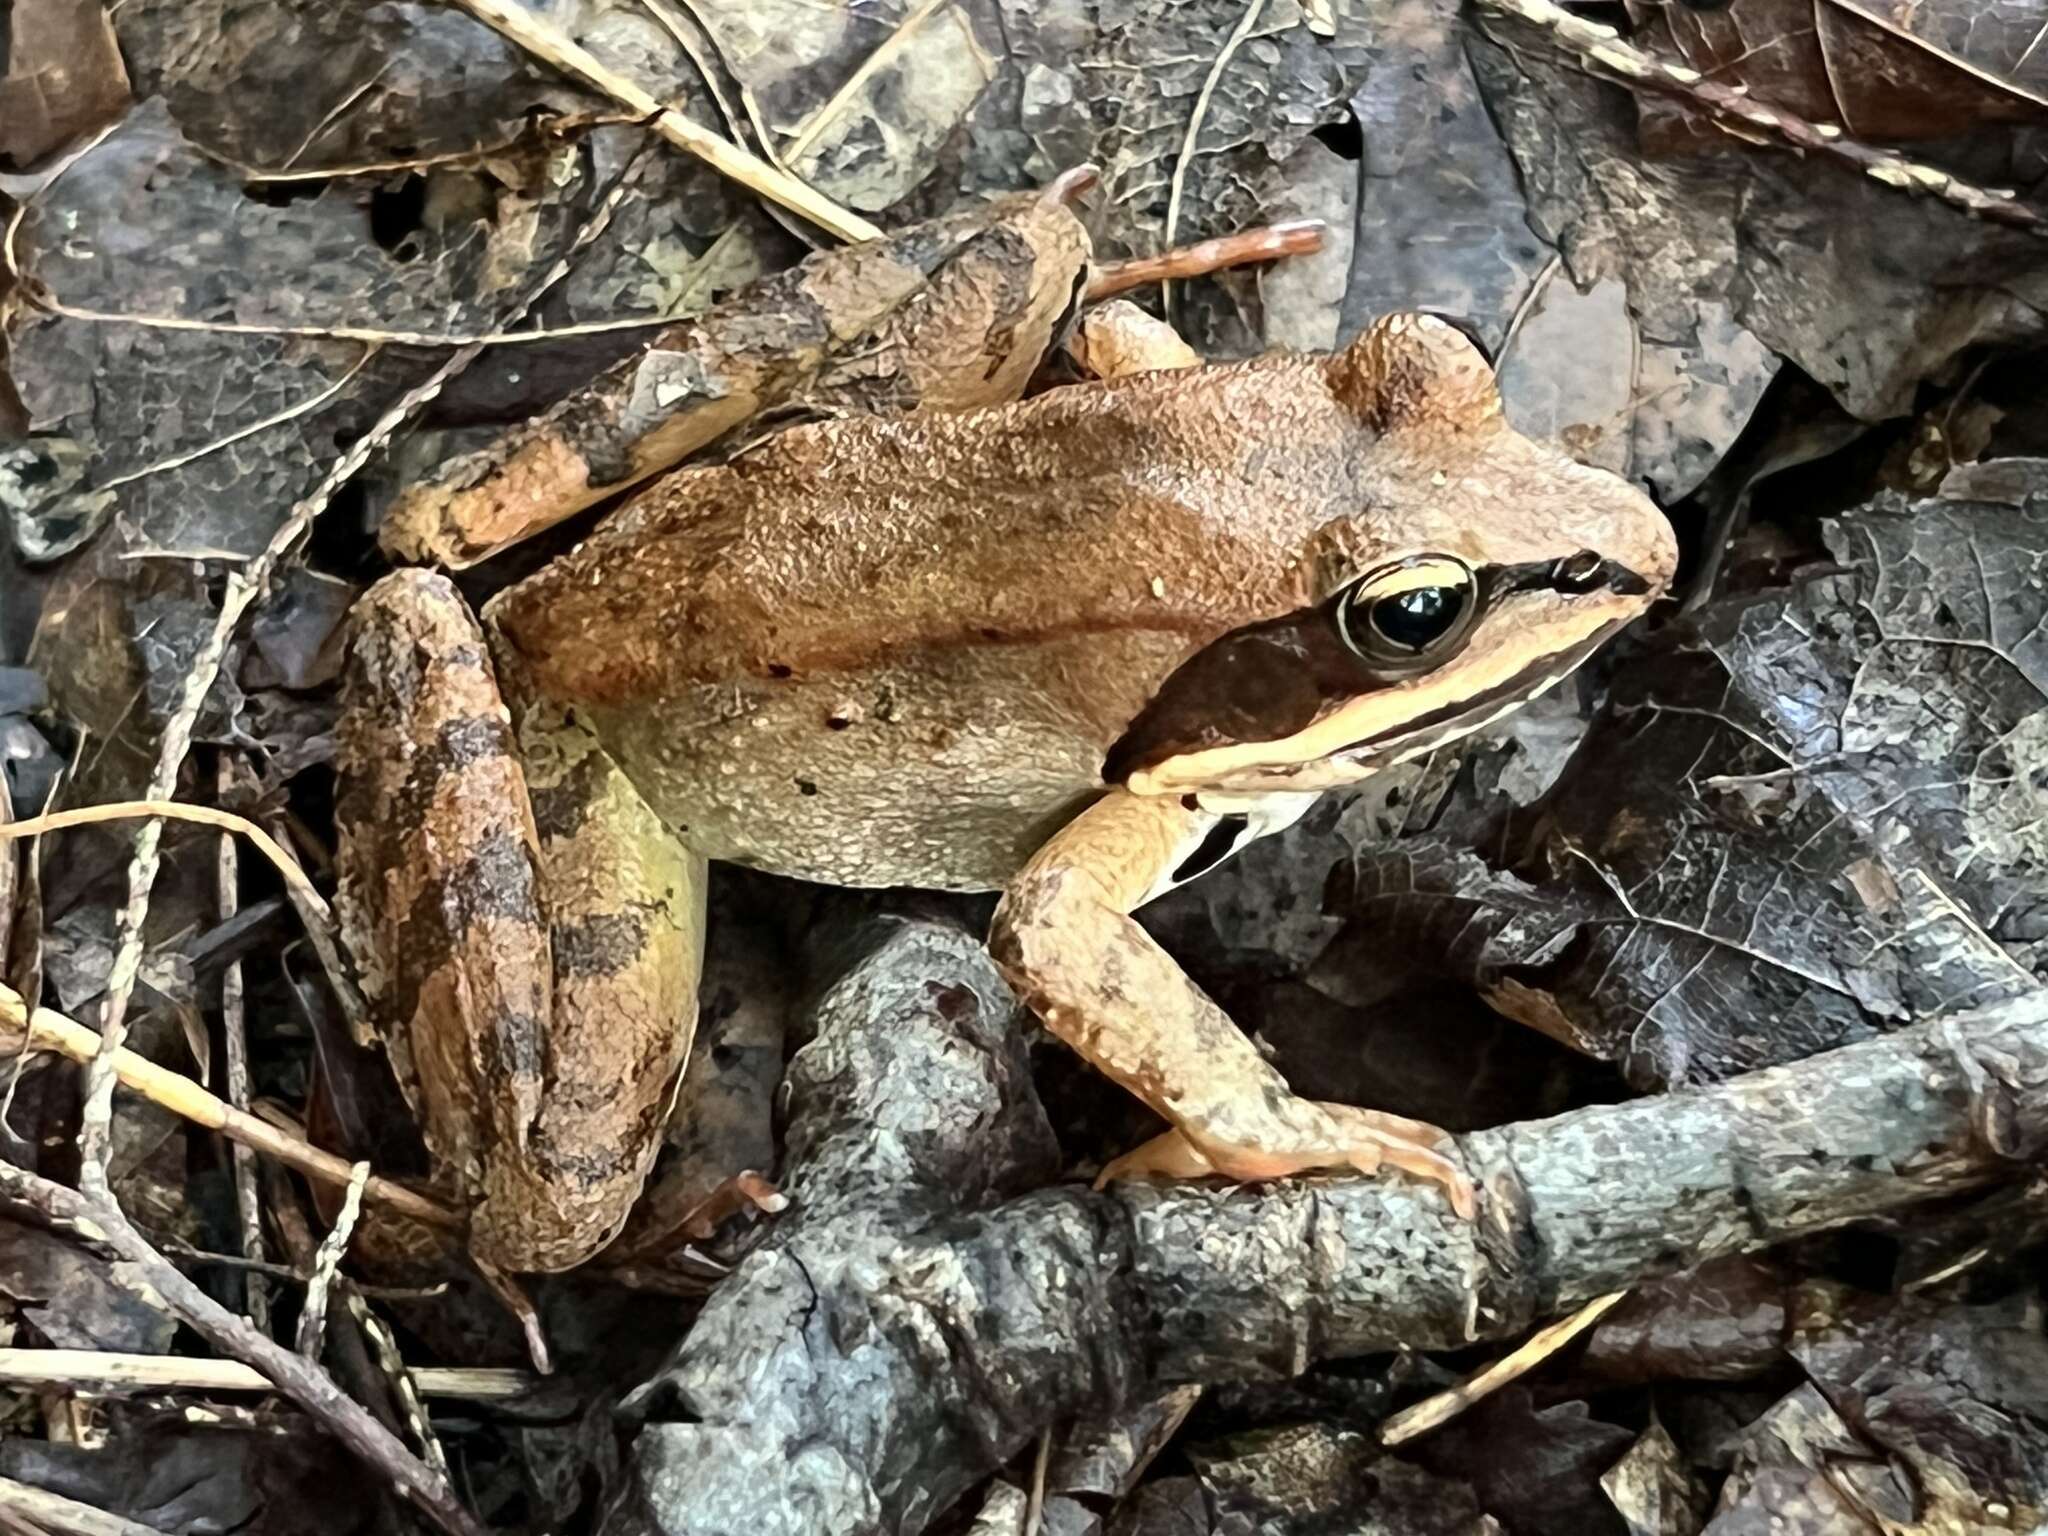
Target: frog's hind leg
[1064, 937]
[625, 905]
[529, 934]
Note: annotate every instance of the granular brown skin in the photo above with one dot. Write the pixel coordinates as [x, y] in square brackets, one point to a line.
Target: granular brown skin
[1002, 591]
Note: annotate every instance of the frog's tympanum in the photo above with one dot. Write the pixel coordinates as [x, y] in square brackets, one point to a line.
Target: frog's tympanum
[1077, 649]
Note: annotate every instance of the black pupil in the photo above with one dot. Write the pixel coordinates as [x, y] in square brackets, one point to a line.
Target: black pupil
[1414, 618]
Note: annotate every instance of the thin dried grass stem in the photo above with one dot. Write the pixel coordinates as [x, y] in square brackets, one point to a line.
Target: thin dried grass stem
[53, 1512]
[111, 1368]
[234, 1030]
[311, 1388]
[555, 48]
[178, 810]
[1439, 1409]
[1178, 185]
[47, 1030]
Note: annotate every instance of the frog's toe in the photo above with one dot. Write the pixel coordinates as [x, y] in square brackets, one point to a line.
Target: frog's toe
[1363, 1140]
[1374, 1137]
[1167, 1156]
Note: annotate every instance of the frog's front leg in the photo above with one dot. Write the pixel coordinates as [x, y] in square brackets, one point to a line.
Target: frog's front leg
[528, 932]
[1064, 937]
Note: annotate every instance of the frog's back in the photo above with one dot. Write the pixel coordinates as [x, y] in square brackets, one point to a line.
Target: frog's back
[896, 651]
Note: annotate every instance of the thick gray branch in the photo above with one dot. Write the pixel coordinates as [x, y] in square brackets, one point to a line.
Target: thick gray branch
[894, 1343]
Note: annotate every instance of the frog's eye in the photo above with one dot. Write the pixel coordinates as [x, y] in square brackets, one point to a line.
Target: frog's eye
[1411, 612]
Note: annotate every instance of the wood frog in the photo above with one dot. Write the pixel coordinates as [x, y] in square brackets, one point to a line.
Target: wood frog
[1078, 649]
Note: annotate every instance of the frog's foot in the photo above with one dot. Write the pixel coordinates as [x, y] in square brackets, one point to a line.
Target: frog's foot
[1333, 1136]
[1118, 339]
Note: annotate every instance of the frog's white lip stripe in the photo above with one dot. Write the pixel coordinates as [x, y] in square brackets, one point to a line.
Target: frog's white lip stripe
[1392, 724]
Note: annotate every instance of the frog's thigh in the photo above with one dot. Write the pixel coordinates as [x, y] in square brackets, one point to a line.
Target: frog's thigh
[1064, 937]
[438, 889]
[625, 905]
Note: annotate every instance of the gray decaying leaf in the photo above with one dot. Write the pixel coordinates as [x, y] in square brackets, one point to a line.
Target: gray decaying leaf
[1568, 372]
[198, 442]
[1800, 1470]
[75, 1299]
[165, 428]
[1315, 1477]
[1003, 1509]
[117, 644]
[1724, 1321]
[1442, 220]
[1104, 1456]
[1812, 815]
[27, 761]
[1535, 1469]
[307, 84]
[1956, 1396]
[1785, 1500]
[1118, 86]
[870, 94]
[1445, 222]
[1729, 253]
[281, 1480]
[1167, 1506]
[295, 637]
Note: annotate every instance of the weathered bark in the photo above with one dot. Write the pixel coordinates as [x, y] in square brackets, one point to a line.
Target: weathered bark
[901, 1335]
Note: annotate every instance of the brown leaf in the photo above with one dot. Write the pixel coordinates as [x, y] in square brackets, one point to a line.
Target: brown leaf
[1956, 1394]
[64, 77]
[1724, 1321]
[1869, 70]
